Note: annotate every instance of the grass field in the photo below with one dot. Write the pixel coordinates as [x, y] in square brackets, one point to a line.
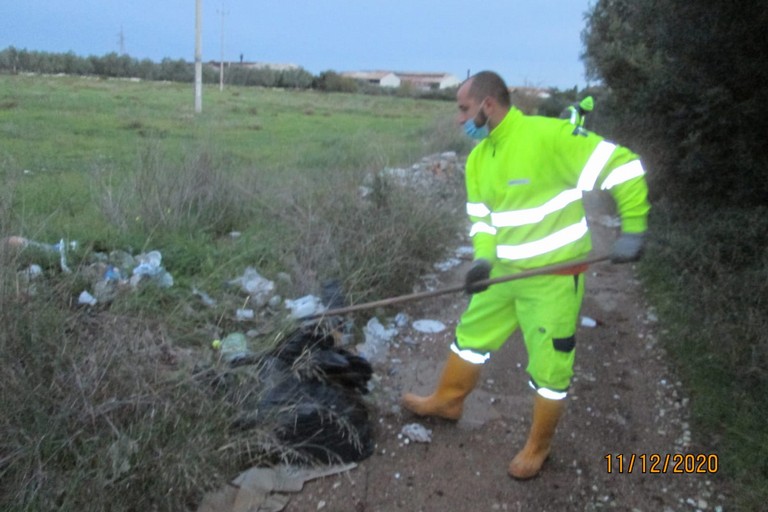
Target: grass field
[102, 407]
[60, 131]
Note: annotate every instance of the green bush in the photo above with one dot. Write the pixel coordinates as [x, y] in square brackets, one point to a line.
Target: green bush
[710, 289]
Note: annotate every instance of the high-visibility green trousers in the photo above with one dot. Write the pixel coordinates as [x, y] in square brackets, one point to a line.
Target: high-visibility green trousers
[545, 308]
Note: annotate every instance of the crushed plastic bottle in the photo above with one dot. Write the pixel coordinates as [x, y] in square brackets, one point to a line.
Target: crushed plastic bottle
[233, 346]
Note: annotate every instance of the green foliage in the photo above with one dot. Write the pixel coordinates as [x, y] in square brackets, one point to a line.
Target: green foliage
[710, 286]
[686, 89]
[331, 81]
[689, 88]
[97, 406]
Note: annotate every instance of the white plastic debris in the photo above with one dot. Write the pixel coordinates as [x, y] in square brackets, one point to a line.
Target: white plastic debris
[86, 298]
[150, 265]
[244, 314]
[448, 264]
[304, 306]
[207, 300]
[588, 322]
[401, 319]
[259, 288]
[33, 272]
[429, 326]
[465, 251]
[417, 433]
[377, 338]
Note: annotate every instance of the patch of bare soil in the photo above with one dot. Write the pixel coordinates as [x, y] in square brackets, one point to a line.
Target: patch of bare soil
[625, 406]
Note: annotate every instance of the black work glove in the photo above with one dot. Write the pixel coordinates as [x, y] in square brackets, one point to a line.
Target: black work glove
[481, 270]
[628, 248]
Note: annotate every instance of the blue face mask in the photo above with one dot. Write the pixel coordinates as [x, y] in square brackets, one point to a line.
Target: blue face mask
[474, 131]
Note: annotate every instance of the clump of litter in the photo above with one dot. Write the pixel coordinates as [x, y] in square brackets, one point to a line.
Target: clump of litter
[377, 339]
[448, 264]
[417, 433]
[259, 288]
[429, 326]
[305, 306]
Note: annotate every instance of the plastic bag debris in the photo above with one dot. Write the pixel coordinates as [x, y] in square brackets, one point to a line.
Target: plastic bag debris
[204, 297]
[588, 322]
[377, 338]
[86, 298]
[429, 326]
[417, 433]
[304, 306]
[150, 265]
[259, 288]
[233, 346]
[244, 314]
[446, 265]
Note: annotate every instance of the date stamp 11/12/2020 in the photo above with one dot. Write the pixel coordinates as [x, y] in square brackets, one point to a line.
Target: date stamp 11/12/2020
[662, 463]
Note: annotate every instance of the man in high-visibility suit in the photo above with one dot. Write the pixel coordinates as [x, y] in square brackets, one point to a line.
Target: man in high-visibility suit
[525, 181]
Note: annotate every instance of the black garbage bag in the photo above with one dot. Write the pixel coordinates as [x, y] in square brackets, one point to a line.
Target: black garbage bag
[312, 397]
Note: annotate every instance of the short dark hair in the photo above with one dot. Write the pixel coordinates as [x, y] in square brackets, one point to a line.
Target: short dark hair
[488, 83]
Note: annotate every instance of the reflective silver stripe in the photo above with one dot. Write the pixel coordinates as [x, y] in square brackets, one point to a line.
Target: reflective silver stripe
[481, 227]
[477, 209]
[624, 173]
[469, 356]
[549, 393]
[595, 164]
[534, 215]
[547, 244]
[587, 181]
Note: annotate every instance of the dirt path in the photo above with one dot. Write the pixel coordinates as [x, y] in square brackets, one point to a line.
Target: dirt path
[624, 401]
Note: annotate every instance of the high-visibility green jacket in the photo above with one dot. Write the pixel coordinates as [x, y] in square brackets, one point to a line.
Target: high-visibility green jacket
[525, 183]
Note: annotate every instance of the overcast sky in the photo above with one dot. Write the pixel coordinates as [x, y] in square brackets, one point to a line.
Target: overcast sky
[529, 42]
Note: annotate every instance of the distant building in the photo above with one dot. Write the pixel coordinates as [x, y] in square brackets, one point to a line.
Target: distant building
[429, 81]
[535, 92]
[380, 78]
[422, 81]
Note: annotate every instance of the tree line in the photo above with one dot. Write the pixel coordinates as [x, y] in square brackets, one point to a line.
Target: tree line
[687, 78]
[113, 65]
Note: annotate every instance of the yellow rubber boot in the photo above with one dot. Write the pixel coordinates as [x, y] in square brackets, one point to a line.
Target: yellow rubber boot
[456, 382]
[546, 414]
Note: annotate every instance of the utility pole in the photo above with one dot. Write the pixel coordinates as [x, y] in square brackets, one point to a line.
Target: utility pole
[121, 41]
[198, 58]
[221, 62]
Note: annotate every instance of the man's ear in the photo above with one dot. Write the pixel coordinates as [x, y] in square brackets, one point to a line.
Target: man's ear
[491, 105]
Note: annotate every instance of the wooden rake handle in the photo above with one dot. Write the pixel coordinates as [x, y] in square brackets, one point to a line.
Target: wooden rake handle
[549, 269]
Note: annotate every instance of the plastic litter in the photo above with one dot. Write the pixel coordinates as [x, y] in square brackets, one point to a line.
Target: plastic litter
[588, 322]
[150, 265]
[429, 326]
[204, 297]
[417, 433]
[448, 264]
[244, 314]
[259, 288]
[86, 299]
[304, 306]
[375, 348]
[233, 346]
[33, 272]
